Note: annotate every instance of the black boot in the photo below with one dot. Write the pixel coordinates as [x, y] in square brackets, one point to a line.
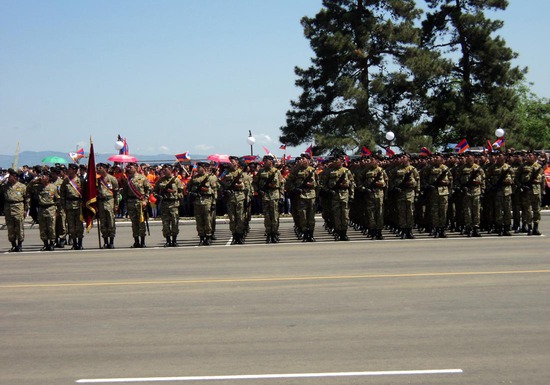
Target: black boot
[174, 241]
[529, 230]
[51, 245]
[379, 235]
[111, 242]
[207, 241]
[75, 244]
[442, 232]
[169, 242]
[274, 238]
[19, 247]
[536, 229]
[475, 232]
[213, 237]
[80, 247]
[13, 246]
[136, 244]
[409, 234]
[45, 247]
[62, 242]
[142, 245]
[506, 231]
[105, 242]
[343, 236]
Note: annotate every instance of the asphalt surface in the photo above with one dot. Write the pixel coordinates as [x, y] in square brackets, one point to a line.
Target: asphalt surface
[475, 311]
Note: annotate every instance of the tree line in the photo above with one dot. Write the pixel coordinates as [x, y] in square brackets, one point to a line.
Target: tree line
[432, 76]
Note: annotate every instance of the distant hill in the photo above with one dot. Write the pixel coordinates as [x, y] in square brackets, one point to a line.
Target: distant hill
[32, 158]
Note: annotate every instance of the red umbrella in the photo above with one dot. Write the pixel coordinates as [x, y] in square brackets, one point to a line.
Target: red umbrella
[218, 158]
[121, 158]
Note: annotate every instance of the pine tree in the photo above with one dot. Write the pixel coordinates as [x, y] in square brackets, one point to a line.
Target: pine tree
[478, 92]
[360, 84]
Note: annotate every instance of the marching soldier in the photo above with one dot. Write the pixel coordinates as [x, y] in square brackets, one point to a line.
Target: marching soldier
[500, 179]
[269, 183]
[302, 183]
[532, 184]
[72, 195]
[233, 190]
[406, 185]
[169, 192]
[202, 191]
[338, 186]
[47, 197]
[471, 179]
[16, 202]
[135, 192]
[57, 178]
[438, 185]
[374, 187]
[107, 204]
[215, 184]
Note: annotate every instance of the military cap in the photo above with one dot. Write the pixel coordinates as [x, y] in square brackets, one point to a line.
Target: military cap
[232, 157]
[12, 172]
[305, 155]
[268, 157]
[73, 166]
[203, 164]
[55, 169]
[46, 172]
[103, 165]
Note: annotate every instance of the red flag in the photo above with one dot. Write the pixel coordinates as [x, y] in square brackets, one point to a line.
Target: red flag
[390, 152]
[489, 146]
[266, 150]
[282, 147]
[90, 199]
[424, 151]
[365, 151]
[309, 150]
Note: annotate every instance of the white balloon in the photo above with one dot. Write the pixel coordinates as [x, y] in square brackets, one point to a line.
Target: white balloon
[500, 132]
[251, 140]
[390, 136]
[118, 145]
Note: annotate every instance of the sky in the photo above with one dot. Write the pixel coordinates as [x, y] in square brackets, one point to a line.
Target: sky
[176, 75]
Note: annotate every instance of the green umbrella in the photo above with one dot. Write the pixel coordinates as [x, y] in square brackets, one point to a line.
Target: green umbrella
[54, 159]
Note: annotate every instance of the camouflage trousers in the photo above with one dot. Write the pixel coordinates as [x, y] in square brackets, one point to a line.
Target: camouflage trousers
[502, 210]
[170, 217]
[203, 217]
[304, 211]
[530, 206]
[75, 226]
[438, 205]
[15, 218]
[375, 212]
[46, 223]
[340, 214]
[106, 211]
[137, 213]
[471, 209]
[236, 214]
[271, 215]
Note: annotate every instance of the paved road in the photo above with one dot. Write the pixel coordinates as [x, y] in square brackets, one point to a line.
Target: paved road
[478, 306]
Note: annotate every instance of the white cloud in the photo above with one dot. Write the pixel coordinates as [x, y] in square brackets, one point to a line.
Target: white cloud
[203, 147]
[164, 148]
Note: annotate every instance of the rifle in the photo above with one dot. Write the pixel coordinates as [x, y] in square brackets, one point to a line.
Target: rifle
[376, 179]
[298, 190]
[531, 182]
[332, 191]
[227, 192]
[265, 186]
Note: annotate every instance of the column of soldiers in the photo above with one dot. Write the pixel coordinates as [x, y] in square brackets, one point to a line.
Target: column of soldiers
[467, 193]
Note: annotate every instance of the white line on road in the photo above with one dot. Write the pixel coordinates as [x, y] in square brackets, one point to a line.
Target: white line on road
[269, 376]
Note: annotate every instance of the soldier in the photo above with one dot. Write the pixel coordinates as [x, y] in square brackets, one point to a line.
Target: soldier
[406, 185]
[215, 184]
[270, 186]
[233, 191]
[438, 185]
[57, 178]
[302, 183]
[16, 202]
[107, 204]
[339, 186]
[532, 184]
[72, 194]
[500, 179]
[471, 179]
[135, 192]
[373, 188]
[202, 192]
[47, 197]
[169, 192]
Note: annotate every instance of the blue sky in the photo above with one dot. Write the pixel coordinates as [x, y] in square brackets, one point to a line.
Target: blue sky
[175, 75]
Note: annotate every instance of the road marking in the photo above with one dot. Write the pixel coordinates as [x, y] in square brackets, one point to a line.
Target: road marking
[269, 376]
[273, 279]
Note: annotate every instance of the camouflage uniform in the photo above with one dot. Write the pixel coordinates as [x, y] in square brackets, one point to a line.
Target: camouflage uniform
[72, 193]
[374, 189]
[107, 204]
[270, 185]
[405, 182]
[234, 194]
[16, 202]
[169, 192]
[135, 192]
[471, 179]
[302, 183]
[47, 199]
[202, 192]
[215, 185]
[438, 184]
[339, 186]
[61, 216]
[499, 181]
[532, 184]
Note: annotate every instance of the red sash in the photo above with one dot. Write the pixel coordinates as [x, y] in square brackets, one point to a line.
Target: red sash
[135, 190]
[75, 187]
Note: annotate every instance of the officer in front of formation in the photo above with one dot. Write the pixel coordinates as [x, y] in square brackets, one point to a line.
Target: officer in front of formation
[302, 183]
[72, 193]
[107, 204]
[234, 193]
[202, 190]
[269, 184]
[405, 183]
[135, 192]
[532, 186]
[338, 186]
[438, 185]
[374, 187]
[169, 192]
[16, 202]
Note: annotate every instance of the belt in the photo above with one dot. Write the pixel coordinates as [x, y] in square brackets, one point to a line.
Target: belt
[48, 205]
[105, 199]
[73, 199]
[13, 201]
